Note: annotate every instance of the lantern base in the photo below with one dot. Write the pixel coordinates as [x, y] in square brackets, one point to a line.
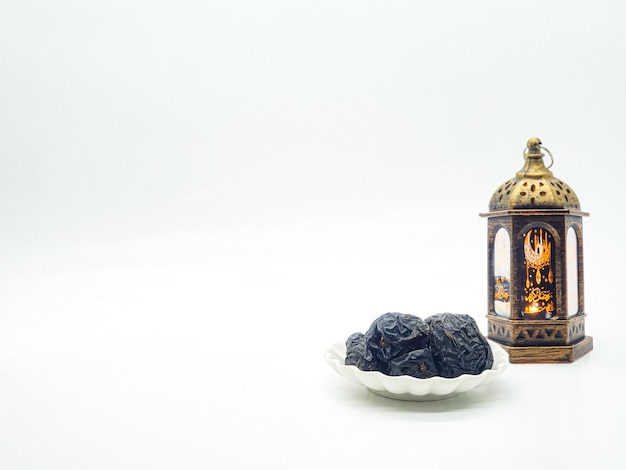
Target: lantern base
[548, 354]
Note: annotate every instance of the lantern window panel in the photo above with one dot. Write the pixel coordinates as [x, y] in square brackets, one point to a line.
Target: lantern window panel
[571, 248]
[539, 279]
[502, 273]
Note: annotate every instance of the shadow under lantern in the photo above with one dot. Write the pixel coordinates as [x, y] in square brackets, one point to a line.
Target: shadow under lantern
[535, 265]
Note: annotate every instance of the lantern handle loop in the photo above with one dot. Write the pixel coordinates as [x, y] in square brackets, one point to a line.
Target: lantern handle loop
[542, 148]
[549, 153]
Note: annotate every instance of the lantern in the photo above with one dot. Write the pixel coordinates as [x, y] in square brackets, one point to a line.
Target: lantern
[536, 304]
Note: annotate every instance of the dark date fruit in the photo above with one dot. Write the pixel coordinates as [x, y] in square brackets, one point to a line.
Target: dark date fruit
[395, 334]
[418, 363]
[445, 344]
[358, 354]
[458, 346]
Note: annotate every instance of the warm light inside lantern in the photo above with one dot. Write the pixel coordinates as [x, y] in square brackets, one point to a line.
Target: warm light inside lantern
[532, 309]
[539, 290]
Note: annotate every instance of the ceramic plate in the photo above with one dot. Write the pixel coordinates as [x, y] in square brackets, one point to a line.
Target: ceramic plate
[410, 388]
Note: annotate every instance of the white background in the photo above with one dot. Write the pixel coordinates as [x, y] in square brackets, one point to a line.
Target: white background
[197, 198]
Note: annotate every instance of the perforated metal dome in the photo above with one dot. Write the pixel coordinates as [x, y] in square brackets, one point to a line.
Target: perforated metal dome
[534, 186]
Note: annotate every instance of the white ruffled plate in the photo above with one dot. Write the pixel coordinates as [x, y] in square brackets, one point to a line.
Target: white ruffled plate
[409, 388]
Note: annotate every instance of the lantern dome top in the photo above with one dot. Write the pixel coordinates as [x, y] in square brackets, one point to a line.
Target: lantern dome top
[534, 186]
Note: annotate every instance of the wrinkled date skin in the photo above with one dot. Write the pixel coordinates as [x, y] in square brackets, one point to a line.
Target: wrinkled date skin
[445, 345]
[395, 334]
[418, 363]
[358, 354]
[458, 346]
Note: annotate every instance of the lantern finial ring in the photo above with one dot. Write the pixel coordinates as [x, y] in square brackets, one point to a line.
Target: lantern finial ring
[534, 148]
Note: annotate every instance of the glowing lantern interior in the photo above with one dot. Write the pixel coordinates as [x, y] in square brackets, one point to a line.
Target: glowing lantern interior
[539, 284]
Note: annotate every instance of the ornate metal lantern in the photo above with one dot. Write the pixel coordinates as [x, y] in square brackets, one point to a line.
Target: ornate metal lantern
[535, 265]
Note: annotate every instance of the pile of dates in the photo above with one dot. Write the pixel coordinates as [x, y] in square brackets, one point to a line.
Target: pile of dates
[444, 345]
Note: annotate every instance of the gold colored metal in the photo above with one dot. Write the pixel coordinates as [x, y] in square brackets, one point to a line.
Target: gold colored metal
[534, 185]
[534, 146]
[528, 310]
